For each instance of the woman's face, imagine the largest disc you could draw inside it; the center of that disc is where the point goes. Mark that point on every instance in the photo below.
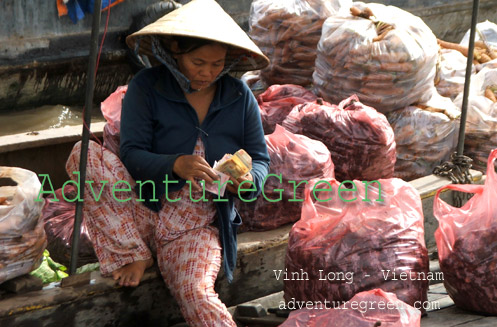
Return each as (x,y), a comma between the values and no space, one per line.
(201,66)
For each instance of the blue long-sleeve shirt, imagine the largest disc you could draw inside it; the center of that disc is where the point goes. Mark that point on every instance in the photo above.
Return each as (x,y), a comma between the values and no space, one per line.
(158,125)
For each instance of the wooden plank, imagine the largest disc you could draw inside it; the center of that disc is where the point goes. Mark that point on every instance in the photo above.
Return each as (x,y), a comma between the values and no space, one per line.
(484,322)
(452,316)
(23,284)
(16,142)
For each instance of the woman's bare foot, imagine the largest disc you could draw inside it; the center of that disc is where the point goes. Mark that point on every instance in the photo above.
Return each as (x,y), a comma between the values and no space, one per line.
(131,274)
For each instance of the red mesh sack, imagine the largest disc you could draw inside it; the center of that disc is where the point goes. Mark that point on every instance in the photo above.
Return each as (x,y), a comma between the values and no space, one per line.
(467,244)
(296,158)
(365,309)
(360,139)
(348,247)
(277,102)
(58,218)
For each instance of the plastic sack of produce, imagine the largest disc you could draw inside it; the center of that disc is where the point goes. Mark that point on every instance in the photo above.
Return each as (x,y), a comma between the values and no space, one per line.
(467,244)
(19,210)
(58,218)
(383,54)
(287,31)
(451,73)
(481,125)
(22,238)
(277,102)
(351,241)
(360,139)
(487,30)
(425,135)
(111,110)
(484,53)
(365,309)
(296,158)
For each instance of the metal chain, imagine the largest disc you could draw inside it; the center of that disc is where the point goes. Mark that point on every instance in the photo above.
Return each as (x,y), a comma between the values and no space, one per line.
(457,170)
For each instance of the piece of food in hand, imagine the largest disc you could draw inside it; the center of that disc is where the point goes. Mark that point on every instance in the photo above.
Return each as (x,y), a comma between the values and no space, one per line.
(236,165)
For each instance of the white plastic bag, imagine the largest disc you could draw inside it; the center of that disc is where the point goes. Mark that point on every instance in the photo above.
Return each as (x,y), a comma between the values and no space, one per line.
(19,210)
(481,125)
(22,236)
(451,73)
(486,29)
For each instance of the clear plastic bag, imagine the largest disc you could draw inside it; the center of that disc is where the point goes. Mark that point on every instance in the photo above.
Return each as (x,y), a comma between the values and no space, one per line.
(360,139)
(425,135)
(486,29)
(370,307)
(297,158)
(19,210)
(58,220)
(388,60)
(22,254)
(354,246)
(111,109)
(467,244)
(481,125)
(22,238)
(288,32)
(451,73)
(277,102)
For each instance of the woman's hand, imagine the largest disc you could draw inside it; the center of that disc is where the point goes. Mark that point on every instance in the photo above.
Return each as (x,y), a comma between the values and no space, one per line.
(191,167)
(233,188)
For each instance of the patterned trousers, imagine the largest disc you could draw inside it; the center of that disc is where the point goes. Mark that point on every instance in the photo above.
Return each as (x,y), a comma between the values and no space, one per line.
(189,257)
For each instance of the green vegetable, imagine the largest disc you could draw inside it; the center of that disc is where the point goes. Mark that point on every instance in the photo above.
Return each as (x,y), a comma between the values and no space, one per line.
(49,270)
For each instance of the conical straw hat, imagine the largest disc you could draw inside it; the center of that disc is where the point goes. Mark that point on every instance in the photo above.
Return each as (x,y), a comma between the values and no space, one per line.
(203,19)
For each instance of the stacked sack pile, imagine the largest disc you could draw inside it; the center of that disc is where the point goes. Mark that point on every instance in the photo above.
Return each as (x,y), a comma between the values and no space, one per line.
(383,54)
(481,135)
(22,237)
(288,32)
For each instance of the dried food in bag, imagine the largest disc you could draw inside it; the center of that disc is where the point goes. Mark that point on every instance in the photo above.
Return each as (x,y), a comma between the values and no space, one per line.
(277,102)
(383,54)
(365,309)
(467,244)
(288,32)
(357,240)
(295,160)
(360,139)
